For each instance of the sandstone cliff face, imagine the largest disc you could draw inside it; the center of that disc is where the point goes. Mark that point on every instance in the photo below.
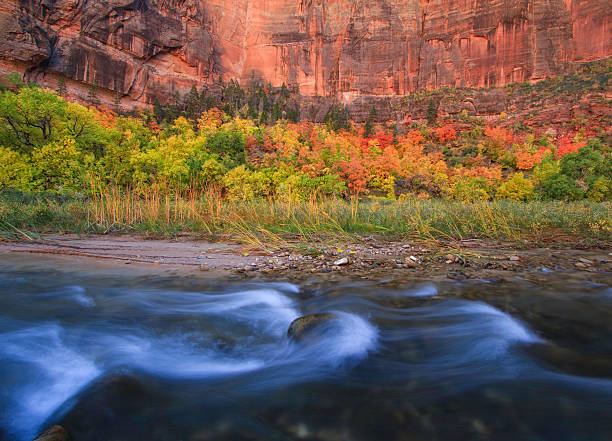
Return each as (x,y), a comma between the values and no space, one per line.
(142,50)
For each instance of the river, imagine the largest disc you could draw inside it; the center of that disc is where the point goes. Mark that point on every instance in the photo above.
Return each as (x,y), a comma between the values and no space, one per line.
(124,354)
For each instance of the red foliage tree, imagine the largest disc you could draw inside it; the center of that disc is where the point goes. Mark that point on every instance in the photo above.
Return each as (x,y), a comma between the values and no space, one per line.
(445,133)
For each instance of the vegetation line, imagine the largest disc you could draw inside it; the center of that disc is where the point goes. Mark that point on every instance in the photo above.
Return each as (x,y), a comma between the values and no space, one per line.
(270,224)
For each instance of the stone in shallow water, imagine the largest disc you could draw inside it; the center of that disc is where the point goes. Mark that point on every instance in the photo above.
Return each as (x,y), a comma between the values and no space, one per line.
(55,433)
(301,326)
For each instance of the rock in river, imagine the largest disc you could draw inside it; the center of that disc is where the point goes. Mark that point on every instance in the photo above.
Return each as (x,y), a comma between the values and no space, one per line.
(301,326)
(55,433)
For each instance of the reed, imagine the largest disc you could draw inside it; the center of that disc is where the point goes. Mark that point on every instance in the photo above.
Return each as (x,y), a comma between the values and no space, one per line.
(271,223)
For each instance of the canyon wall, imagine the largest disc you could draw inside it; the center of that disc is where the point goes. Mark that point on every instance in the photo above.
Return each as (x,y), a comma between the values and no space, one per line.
(137,51)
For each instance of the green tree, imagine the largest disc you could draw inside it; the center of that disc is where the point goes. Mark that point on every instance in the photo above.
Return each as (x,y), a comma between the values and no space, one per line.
(229,145)
(432,112)
(337,117)
(600,190)
(30,117)
(581,164)
(158,111)
(60,165)
(92,95)
(192,103)
(276,113)
(80,123)
(293,114)
(16,171)
(284,92)
(234,97)
(368,128)
(561,187)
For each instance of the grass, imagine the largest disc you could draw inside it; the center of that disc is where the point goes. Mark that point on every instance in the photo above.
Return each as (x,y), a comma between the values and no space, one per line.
(269,223)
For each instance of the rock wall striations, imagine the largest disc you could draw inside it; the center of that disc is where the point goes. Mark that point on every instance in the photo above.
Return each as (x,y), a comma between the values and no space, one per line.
(143,50)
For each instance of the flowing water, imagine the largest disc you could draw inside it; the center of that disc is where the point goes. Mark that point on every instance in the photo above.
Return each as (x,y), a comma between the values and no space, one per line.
(126,355)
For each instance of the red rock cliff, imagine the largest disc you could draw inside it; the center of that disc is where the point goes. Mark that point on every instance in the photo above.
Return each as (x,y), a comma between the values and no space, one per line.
(147,49)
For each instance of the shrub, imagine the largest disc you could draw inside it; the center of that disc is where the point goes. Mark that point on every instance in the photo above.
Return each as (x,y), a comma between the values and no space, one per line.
(471,189)
(517,188)
(445,133)
(16,171)
(567,146)
(229,145)
(244,184)
(600,190)
(385,184)
(580,164)
(211,172)
(496,140)
(544,171)
(60,165)
(561,187)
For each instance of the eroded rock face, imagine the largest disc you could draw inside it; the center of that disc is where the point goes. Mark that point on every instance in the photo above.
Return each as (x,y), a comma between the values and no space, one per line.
(150,49)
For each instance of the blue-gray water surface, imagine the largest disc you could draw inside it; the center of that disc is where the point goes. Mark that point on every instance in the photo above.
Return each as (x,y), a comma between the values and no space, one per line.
(125,355)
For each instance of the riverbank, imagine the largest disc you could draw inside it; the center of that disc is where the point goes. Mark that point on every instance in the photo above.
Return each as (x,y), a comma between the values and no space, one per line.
(363,258)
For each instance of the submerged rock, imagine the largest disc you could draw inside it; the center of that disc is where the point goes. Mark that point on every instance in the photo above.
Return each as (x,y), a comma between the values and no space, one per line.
(106,410)
(55,433)
(301,326)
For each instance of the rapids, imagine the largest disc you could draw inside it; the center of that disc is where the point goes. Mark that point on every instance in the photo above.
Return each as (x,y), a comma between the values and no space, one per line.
(123,356)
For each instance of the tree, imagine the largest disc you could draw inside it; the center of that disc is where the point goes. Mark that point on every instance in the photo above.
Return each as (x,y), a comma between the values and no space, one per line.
(233,96)
(471,189)
(30,118)
(284,92)
(92,95)
(16,171)
(61,86)
(368,128)
(117,101)
(561,187)
(293,114)
(276,113)
(158,111)
(60,164)
(432,112)
(517,188)
(207,102)
(229,145)
(580,164)
(12,81)
(337,117)
(600,190)
(192,103)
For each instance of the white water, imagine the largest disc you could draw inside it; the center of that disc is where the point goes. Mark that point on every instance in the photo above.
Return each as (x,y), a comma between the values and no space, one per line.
(49,363)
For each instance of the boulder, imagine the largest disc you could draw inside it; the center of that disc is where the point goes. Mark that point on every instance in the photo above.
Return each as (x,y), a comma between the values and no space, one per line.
(302,326)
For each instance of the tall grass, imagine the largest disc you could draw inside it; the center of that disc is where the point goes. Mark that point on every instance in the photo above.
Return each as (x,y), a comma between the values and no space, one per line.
(272,222)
